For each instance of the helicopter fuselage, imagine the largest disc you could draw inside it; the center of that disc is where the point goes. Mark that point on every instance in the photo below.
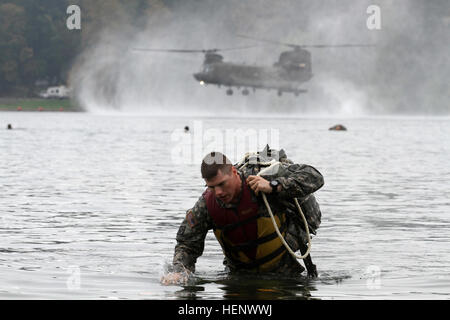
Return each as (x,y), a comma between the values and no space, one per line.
(278,77)
(292,69)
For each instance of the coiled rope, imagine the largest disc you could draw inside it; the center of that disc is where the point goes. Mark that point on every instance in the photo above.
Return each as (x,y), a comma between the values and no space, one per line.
(275,223)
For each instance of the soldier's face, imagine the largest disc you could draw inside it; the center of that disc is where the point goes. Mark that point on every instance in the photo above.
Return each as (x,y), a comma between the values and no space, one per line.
(226,187)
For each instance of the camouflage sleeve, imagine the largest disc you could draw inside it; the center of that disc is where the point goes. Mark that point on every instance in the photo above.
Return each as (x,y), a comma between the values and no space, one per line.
(298,181)
(191,237)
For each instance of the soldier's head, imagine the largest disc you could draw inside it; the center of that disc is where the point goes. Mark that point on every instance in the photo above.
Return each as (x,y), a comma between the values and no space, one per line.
(221,177)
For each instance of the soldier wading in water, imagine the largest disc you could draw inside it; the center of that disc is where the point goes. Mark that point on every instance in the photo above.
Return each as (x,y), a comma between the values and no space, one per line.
(233,208)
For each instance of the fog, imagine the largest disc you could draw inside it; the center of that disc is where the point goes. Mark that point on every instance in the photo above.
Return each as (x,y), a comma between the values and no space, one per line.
(406,72)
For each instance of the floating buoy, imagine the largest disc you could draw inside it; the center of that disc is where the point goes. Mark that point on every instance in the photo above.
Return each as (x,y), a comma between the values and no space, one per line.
(9,127)
(338,127)
(19,108)
(61,109)
(40,109)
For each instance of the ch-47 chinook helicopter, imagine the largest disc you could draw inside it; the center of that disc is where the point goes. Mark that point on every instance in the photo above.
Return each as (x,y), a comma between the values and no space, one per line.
(292,69)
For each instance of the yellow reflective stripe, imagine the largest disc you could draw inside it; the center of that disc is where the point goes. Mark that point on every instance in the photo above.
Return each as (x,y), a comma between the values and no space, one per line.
(264,227)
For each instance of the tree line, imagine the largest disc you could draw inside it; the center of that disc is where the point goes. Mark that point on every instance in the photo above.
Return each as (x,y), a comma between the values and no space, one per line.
(37,48)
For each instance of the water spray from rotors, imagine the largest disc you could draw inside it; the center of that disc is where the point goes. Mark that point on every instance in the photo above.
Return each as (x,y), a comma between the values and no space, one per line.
(405,73)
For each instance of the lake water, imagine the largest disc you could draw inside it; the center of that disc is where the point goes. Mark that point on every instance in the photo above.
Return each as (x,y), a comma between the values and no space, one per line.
(90,206)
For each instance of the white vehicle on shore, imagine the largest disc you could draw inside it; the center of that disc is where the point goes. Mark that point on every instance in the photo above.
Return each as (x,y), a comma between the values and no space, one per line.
(60,92)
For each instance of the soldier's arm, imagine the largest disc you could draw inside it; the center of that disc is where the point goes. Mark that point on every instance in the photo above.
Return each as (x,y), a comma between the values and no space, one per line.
(191,237)
(299,181)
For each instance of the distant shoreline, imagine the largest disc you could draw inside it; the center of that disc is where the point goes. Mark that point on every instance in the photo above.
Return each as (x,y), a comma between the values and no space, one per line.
(38,105)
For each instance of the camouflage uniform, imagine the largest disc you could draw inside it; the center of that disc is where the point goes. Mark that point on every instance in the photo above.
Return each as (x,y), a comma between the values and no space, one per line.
(298,181)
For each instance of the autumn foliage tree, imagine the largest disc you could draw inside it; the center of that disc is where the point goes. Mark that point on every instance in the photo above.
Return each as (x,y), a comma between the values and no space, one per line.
(35,43)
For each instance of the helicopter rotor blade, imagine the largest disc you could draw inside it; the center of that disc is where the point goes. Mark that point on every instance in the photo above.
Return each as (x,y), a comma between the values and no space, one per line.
(336,45)
(294,46)
(193,50)
(174,50)
(237,48)
(268,41)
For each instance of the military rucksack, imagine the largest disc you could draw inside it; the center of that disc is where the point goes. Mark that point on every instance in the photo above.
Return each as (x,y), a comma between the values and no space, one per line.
(310,207)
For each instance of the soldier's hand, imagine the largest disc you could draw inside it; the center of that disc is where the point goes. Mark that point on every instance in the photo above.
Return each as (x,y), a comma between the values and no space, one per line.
(175,278)
(259,184)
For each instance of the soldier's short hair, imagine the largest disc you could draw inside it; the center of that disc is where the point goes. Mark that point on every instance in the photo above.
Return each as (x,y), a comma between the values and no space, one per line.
(212,163)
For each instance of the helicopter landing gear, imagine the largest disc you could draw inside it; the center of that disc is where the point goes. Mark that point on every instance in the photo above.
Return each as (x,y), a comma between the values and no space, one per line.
(229,92)
(280,93)
(245,92)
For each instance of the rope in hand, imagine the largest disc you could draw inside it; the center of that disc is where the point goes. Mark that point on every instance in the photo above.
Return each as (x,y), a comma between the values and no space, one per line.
(276,226)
